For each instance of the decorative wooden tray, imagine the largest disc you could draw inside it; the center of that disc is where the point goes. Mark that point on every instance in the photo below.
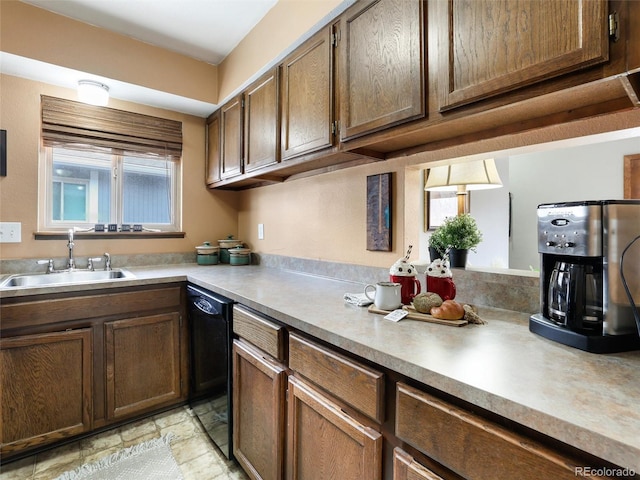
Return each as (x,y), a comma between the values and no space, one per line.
(423,317)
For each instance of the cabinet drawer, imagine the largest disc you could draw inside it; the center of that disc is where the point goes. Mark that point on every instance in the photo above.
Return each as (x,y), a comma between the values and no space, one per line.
(264,334)
(41,312)
(471,446)
(358,385)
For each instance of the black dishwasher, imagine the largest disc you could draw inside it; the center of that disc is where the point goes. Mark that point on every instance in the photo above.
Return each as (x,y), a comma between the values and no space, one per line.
(210,317)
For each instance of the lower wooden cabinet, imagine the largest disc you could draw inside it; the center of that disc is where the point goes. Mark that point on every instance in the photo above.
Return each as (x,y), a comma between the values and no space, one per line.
(45,388)
(143,367)
(474,447)
(73,364)
(259,384)
(324,443)
(406,468)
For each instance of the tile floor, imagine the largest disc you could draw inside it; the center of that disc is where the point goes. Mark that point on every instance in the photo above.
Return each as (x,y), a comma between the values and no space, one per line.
(197,456)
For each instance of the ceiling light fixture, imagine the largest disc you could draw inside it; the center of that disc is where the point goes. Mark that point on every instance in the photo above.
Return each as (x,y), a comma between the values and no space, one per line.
(462,177)
(92,92)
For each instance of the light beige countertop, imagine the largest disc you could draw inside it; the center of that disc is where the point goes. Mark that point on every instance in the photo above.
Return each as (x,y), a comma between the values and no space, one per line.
(586,400)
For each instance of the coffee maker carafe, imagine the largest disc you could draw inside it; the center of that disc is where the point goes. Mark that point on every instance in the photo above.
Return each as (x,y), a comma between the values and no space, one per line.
(582,301)
(575,296)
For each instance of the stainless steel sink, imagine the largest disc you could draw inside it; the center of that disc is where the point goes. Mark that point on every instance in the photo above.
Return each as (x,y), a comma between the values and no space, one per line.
(65,278)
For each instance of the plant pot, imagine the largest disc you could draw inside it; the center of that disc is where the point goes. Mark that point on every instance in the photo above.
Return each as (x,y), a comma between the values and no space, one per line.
(458,258)
(434,254)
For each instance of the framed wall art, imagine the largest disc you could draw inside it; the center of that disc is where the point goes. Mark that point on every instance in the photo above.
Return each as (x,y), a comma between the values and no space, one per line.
(3,153)
(379,212)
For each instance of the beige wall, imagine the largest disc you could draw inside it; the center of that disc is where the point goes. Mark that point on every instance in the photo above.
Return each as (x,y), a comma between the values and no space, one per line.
(36,33)
(322,217)
(206,215)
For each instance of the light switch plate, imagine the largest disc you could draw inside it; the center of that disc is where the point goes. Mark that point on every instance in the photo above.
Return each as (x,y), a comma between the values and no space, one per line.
(261,231)
(10,232)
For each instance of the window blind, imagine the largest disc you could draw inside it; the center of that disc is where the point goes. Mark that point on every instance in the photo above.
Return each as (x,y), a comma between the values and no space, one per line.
(70,124)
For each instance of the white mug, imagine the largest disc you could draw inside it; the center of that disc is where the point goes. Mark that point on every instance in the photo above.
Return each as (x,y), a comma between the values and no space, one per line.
(387,295)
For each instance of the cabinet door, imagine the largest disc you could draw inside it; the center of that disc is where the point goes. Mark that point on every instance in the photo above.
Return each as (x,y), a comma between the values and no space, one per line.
(45,388)
(212,165)
(261,122)
(406,468)
(382,57)
(231,138)
(324,442)
(307,97)
(491,47)
(258,412)
(143,368)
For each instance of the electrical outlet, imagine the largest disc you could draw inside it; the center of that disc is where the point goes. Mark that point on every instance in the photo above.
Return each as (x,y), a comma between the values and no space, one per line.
(10,232)
(261,231)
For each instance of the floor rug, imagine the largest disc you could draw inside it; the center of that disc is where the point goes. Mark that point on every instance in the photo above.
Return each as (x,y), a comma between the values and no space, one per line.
(150,460)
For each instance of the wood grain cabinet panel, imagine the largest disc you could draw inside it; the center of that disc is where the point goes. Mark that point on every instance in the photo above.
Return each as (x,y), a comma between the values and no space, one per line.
(260,332)
(324,443)
(382,58)
(45,388)
(307,97)
(212,165)
(493,47)
(471,446)
(406,468)
(143,364)
(261,122)
(259,385)
(231,137)
(354,383)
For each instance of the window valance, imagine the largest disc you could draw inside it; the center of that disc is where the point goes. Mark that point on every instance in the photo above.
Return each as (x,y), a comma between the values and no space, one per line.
(71,124)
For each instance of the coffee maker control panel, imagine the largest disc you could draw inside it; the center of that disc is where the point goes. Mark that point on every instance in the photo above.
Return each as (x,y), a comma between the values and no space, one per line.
(569,229)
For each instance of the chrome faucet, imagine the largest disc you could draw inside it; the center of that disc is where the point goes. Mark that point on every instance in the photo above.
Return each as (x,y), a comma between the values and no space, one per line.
(71,263)
(107,261)
(48,263)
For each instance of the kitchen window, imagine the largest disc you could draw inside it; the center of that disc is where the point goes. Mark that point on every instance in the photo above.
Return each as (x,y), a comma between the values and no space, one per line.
(106,166)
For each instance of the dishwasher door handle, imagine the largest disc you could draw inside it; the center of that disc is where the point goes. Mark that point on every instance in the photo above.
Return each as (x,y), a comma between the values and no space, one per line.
(205,306)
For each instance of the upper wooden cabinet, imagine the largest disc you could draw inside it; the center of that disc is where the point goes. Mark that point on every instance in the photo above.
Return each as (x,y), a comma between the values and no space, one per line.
(382,58)
(231,137)
(391,78)
(261,122)
(212,161)
(307,97)
(493,47)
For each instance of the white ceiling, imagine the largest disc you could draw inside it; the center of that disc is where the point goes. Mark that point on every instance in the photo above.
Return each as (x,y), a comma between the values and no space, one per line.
(203,29)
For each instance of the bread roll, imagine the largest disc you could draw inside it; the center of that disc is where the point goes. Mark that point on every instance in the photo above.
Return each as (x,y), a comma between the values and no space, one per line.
(424,302)
(449,310)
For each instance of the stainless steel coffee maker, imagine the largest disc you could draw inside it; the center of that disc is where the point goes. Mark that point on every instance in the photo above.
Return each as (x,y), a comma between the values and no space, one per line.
(583,302)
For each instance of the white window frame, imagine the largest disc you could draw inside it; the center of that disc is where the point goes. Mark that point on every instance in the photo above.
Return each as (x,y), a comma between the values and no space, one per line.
(45,203)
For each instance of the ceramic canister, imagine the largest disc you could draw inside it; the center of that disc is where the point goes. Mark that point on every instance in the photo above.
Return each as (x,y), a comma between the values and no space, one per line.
(239,256)
(225,245)
(207,254)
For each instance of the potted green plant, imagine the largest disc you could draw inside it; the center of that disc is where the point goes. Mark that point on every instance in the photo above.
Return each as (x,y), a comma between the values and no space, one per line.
(460,234)
(437,244)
